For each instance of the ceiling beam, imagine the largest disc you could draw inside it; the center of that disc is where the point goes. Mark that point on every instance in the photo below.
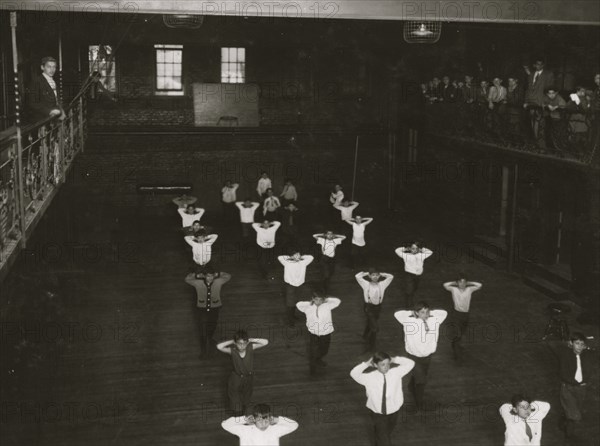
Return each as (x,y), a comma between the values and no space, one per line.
(575,12)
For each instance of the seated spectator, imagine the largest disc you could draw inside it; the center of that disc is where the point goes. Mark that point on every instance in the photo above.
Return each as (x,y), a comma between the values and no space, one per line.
(458,88)
(514,102)
(435,90)
(553,103)
(482,93)
(43,93)
(579,106)
(447,91)
(496,94)
(469,90)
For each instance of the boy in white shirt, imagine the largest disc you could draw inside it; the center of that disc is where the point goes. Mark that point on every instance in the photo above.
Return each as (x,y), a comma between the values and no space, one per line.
(328,242)
(523,419)
(247,209)
(414,257)
(346,207)
(265,239)
(294,276)
(382,378)
(201,247)
(271,205)
(264,183)
(289,193)
(461,296)
(228,199)
(320,327)
(421,333)
(357,252)
(261,428)
(184,201)
(373,285)
(190,214)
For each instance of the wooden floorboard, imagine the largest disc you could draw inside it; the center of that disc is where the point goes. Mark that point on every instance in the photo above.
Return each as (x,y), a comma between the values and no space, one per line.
(135,377)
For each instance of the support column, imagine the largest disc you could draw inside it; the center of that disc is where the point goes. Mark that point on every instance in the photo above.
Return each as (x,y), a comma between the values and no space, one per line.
(513,218)
(504,200)
(20,180)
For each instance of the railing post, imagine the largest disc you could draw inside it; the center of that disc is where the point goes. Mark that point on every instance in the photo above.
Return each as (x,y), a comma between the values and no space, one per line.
(513,218)
(80,124)
(20,180)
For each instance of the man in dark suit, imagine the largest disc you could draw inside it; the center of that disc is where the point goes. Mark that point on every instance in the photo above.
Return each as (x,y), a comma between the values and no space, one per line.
(574,369)
(43,93)
(538,81)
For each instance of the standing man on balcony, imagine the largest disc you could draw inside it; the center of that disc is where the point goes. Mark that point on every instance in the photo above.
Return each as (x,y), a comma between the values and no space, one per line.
(43,93)
(538,81)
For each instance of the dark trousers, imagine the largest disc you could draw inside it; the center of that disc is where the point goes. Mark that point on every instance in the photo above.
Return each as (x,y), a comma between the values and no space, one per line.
(230,212)
(318,347)
(239,389)
(419,378)
(571,400)
(291,298)
(271,216)
(372,327)
(459,322)
(246,230)
(207,322)
(327,265)
(265,260)
(411,283)
(383,426)
(357,256)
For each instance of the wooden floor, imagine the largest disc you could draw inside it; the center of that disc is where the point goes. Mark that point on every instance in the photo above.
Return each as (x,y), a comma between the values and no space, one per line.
(129,373)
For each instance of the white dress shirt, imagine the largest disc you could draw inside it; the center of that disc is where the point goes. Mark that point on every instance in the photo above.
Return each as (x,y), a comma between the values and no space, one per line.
(188,219)
(318,318)
(247,213)
(413,263)
(336,197)
(250,435)
(202,251)
(328,246)
(289,192)
(373,382)
(263,185)
(462,298)
(420,339)
(515,434)
(52,83)
(265,237)
(229,193)
(294,271)
(271,204)
(346,211)
(578,372)
(358,232)
(373,291)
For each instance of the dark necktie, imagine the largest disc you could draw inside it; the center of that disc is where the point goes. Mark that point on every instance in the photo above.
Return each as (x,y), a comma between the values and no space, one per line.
(383,401)
(528,430)
(426,326)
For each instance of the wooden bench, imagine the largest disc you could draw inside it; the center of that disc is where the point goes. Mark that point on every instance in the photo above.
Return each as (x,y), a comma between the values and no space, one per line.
(230,120)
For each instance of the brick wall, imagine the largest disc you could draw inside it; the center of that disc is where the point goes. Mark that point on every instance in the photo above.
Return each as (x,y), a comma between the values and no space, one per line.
(112,167)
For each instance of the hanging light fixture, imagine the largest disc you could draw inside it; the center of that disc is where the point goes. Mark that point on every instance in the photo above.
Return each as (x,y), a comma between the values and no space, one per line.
(422,32)
(187,21)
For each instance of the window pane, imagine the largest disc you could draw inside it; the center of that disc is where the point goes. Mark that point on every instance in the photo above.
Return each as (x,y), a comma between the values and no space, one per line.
(224,54)
(160,83)
(177,56)
(160,56)
(177,83)
(160,69)
(177,70)
(241,54)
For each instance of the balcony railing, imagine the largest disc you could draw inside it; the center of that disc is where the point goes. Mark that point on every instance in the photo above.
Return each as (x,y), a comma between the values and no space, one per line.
(565,134)
(32,172)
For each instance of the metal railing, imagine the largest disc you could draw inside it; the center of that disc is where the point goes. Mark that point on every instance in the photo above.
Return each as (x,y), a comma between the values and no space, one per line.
(564,134)
(32,172)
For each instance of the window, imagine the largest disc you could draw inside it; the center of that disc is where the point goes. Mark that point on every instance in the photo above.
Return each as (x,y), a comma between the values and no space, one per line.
(233,65)
(100,58)
(168,70)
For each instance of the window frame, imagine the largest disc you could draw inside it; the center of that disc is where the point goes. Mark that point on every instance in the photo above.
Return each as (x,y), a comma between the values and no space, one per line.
(236,64)
(115,69)
(167,91)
